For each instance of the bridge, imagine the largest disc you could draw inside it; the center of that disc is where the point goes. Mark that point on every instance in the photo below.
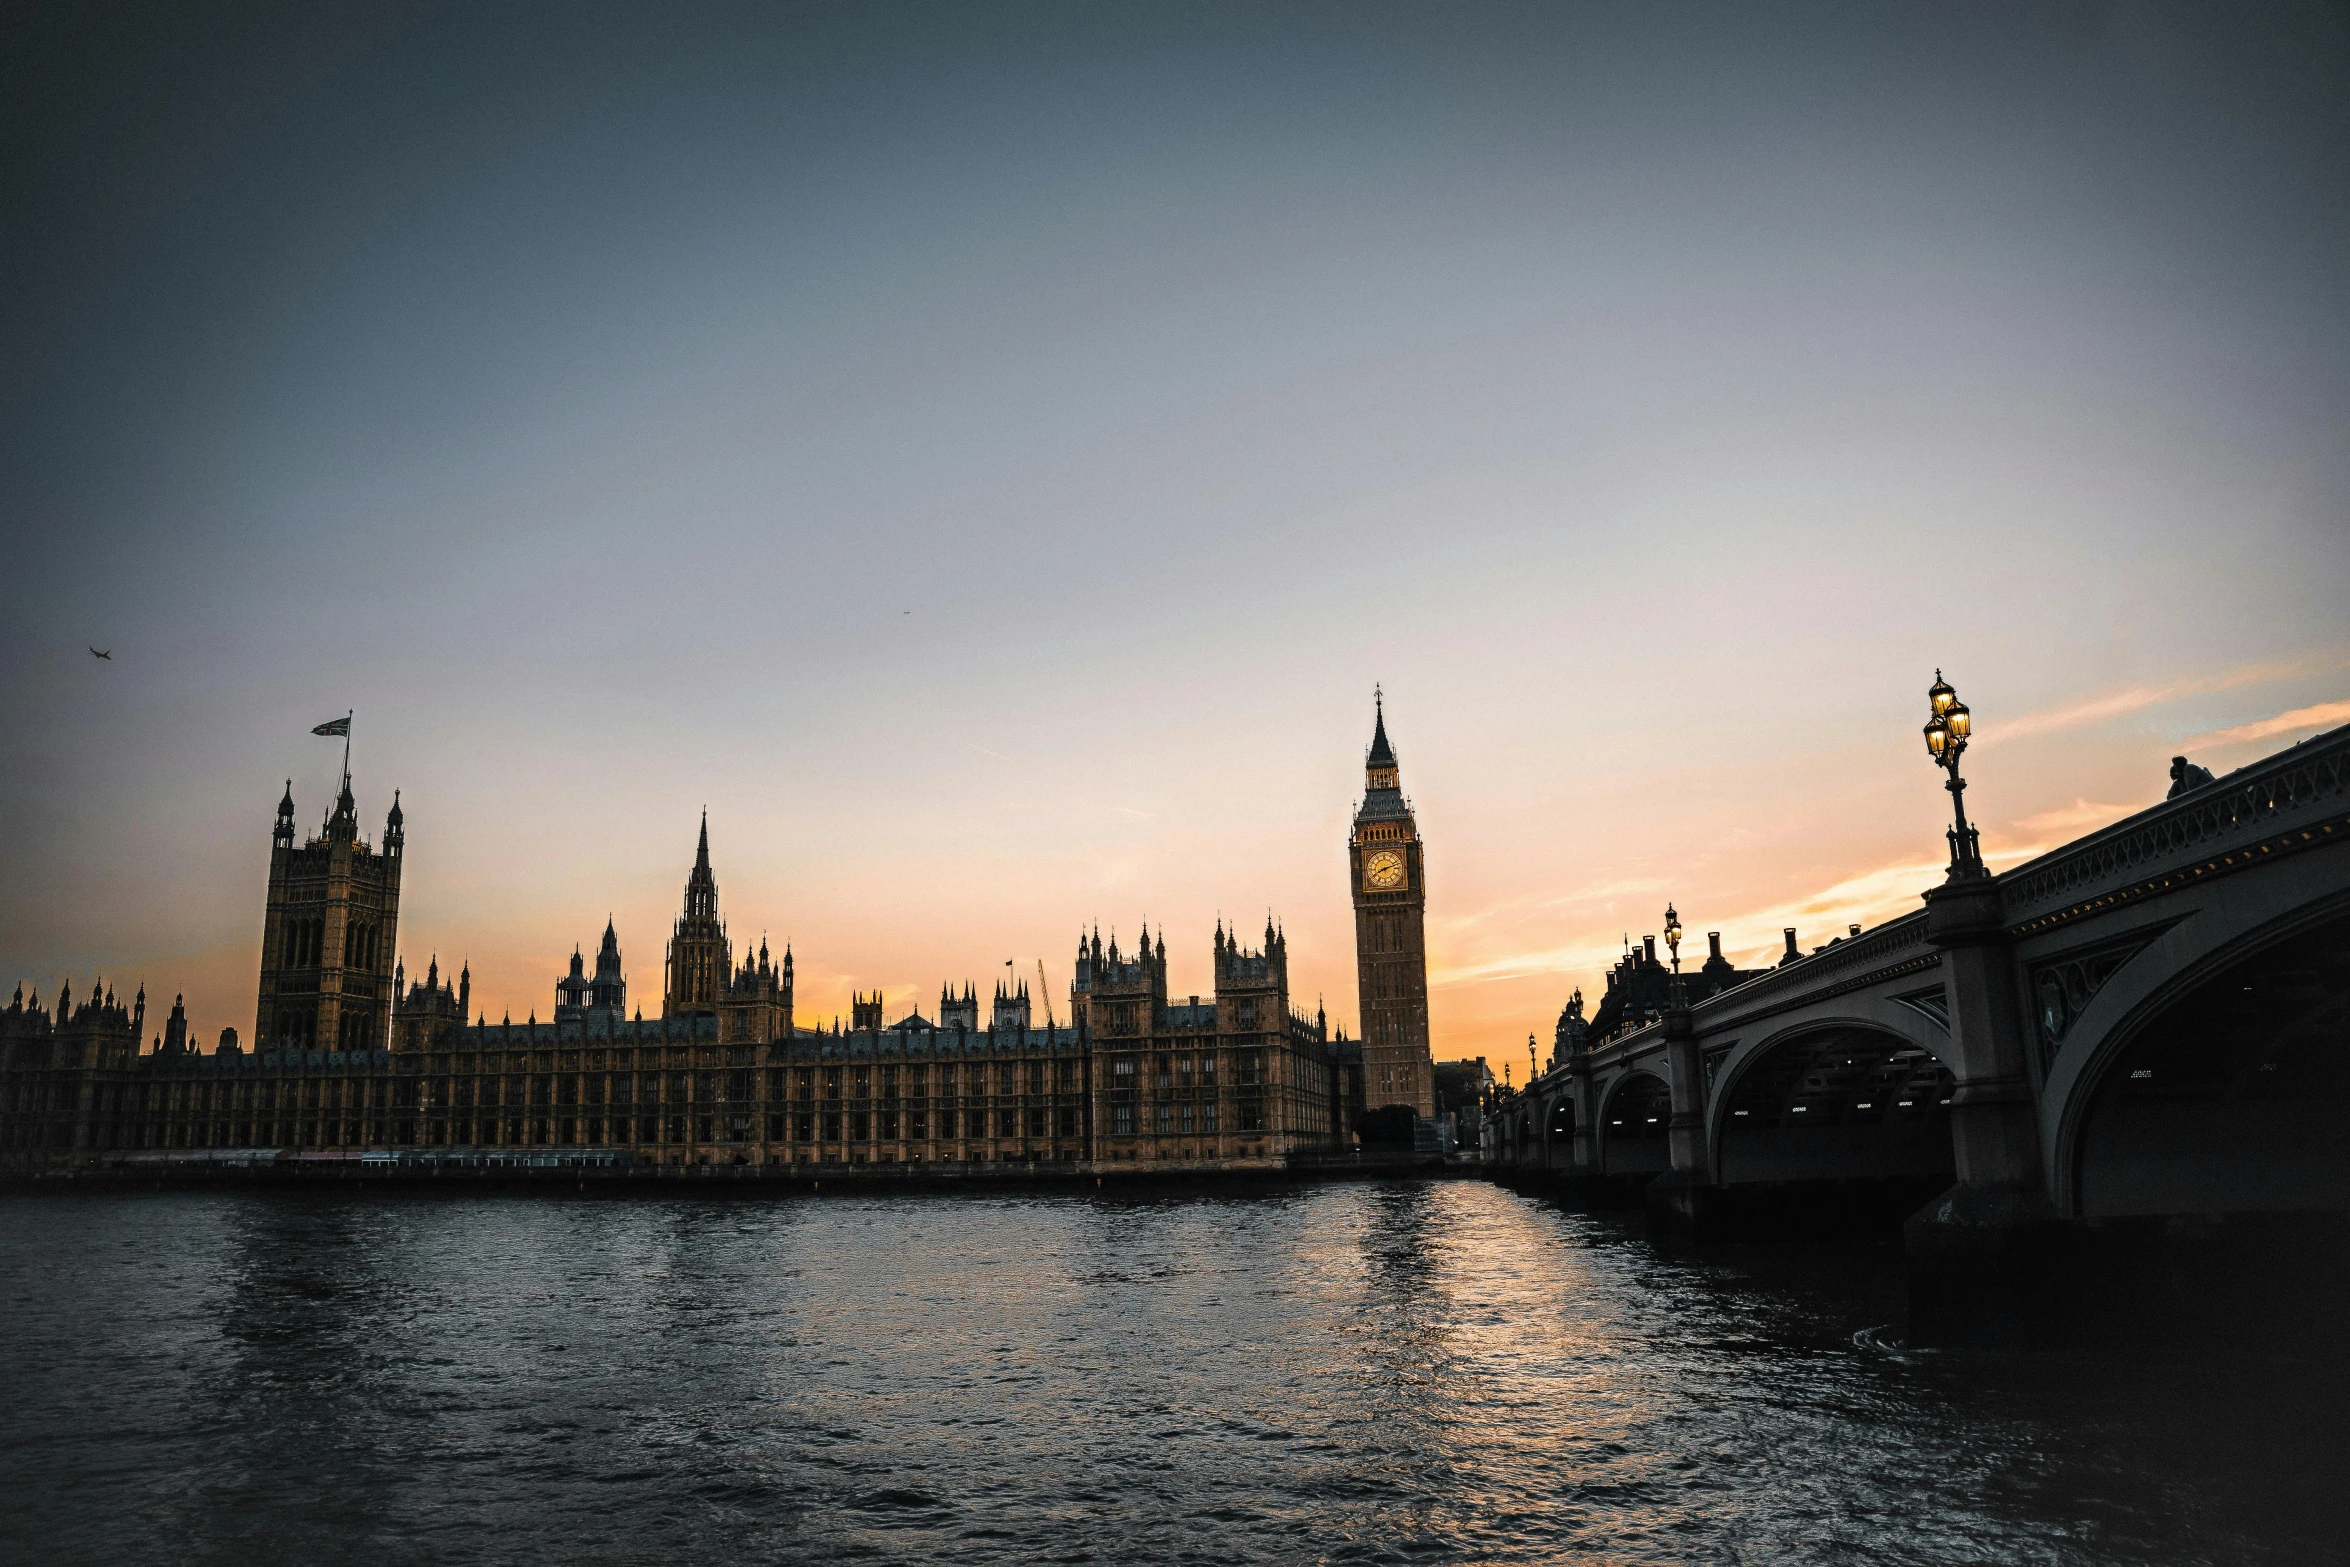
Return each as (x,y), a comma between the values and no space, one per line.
(2148,1026)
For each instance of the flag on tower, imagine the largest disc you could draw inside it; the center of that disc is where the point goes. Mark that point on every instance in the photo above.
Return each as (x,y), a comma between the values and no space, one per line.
(335,726)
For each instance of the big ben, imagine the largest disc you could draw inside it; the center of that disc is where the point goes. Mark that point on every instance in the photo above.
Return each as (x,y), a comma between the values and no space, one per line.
(1391,954)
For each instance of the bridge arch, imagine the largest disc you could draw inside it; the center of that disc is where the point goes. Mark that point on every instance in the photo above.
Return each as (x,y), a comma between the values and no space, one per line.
(1835,1099)
(1635,1115)
(2223,1087)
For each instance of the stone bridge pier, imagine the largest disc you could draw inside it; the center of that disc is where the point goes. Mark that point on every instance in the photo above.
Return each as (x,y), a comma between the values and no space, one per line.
(2119,1066)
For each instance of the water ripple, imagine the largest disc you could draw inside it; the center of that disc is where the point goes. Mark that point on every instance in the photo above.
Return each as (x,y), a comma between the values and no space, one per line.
(1405,1373)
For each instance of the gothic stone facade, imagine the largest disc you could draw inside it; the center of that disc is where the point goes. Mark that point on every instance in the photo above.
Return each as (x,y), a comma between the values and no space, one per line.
(1391,944)
(1134,1079)
(351,1060)
(326,935)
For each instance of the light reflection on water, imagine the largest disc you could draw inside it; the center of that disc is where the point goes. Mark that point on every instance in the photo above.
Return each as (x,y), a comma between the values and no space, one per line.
(1399,1372)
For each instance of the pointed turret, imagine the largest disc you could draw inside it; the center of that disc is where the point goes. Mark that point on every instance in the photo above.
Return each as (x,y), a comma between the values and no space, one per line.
(343,823)
(700,958)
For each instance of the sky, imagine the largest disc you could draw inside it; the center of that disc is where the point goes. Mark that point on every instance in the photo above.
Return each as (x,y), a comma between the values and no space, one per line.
(987,455)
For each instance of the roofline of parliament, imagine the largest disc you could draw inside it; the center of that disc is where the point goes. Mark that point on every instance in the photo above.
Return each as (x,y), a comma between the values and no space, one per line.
(348,1053)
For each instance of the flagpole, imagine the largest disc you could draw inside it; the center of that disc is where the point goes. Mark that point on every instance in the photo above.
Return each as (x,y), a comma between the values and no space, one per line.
(347,717)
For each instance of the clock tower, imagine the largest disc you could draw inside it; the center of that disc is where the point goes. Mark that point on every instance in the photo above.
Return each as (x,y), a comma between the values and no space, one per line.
(1391,955)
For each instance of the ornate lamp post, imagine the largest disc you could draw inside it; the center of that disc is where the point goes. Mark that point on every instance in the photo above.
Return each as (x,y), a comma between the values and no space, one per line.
(1947,730)
(1673,945)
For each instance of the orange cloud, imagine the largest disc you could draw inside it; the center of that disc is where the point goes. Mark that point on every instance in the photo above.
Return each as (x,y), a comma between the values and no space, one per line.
(2137,699)
(2321,716)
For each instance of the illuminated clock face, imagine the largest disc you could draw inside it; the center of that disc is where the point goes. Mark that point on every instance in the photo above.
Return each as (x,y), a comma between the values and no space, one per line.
(1383,872)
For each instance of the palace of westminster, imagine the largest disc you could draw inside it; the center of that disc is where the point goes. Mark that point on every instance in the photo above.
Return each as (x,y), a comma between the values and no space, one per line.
(349,1059)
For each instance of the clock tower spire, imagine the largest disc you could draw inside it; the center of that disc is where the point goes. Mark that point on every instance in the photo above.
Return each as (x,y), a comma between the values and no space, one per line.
(1391,955)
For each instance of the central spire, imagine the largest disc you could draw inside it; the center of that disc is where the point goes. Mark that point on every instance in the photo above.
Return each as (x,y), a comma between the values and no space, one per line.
(701,887)
(700,958)
(1380,763)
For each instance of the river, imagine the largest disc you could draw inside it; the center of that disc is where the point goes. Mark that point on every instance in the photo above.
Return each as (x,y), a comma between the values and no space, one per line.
(1403,1372)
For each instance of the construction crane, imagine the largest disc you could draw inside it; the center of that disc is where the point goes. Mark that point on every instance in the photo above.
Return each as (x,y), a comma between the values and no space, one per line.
(1045,991)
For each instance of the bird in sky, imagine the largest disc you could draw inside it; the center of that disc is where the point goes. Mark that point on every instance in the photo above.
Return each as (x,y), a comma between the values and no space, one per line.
(96,654)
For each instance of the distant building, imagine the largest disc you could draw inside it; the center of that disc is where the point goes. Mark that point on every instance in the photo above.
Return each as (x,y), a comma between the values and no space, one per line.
(1463,1088)
(327,954)
(1391,947)
(1640,990)
(350,1057)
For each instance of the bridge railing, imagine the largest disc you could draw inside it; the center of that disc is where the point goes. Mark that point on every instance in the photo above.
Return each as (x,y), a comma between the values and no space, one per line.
(1851,957)
(1896,939)
(2277,792)
(2294,788)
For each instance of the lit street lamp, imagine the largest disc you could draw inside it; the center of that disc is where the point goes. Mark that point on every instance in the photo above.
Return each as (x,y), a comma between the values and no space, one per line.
(1946,737)
(1673,944)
